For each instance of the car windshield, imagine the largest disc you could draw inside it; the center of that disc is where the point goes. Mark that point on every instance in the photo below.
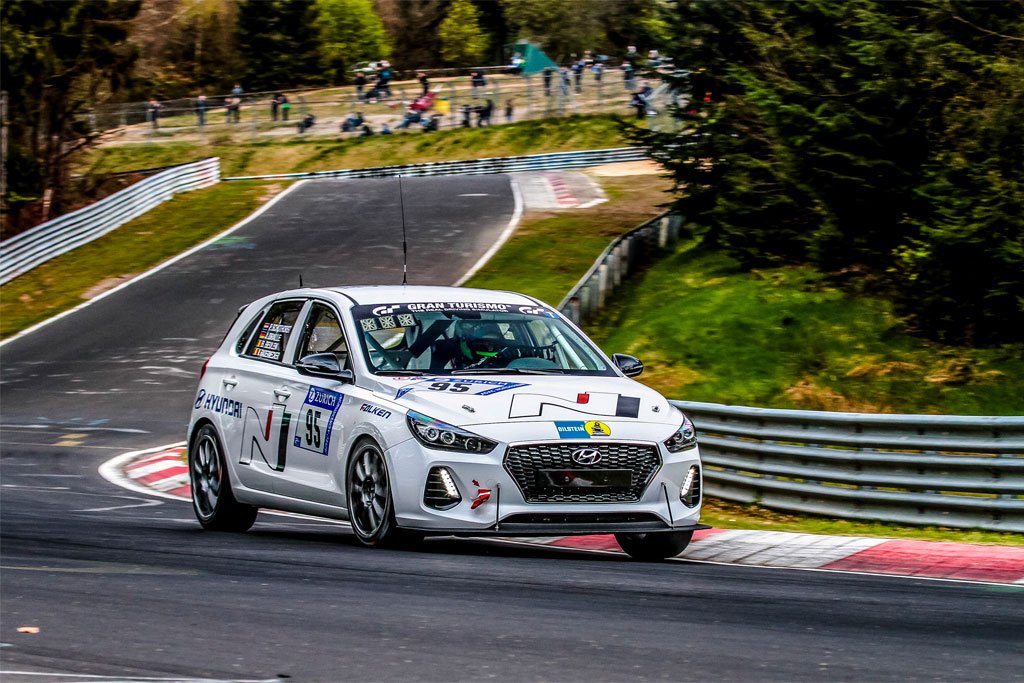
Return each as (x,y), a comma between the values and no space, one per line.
(473,338)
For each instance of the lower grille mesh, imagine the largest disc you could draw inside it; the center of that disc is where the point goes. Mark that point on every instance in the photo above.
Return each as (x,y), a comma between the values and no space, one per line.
(524,462)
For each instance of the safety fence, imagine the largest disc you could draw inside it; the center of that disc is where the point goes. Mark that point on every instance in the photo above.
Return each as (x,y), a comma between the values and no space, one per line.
(532,162)
(34,247)
(952,471)
(635,249)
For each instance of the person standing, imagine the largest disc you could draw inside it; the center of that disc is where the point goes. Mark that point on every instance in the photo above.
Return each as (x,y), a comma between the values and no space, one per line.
(577,75)
(275,104)
(484,114)
(508,111)
(201,110)
(360,82)
(548,71)
(237,91)
(477,81)
(424,83)
(286,107)
(153,113)
(628,75)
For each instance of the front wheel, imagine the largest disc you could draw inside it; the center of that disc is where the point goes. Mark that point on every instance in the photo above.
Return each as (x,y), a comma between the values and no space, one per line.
(212,499)
(370,504)
(654,547)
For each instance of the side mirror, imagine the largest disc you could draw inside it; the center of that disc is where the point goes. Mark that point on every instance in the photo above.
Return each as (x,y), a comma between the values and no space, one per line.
(630,366)
(324,365)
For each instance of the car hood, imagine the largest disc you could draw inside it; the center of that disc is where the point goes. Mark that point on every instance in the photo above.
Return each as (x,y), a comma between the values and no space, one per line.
(515,399)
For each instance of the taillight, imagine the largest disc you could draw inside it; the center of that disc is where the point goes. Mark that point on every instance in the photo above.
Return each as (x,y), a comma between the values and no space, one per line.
(203,370)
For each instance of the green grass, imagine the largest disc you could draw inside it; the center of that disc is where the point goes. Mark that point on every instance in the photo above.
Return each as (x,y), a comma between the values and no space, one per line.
(294,154)
(787,338)
(163,232)
(549,253)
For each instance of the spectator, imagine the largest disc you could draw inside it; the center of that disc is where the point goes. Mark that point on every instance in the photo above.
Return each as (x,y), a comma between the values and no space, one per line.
(516,65)
(201,110)
(352,122)
(411,116)
(424,83)
(360,82)
(432,124)
(286,107)
(653,59)
(548,71)
(628,75)
(598,71)
(237,91)
(384,76)
(275,104)
(477,81)
(639,104)
(385,129)
(306,123)
(566,81)
(577,75)
(466,112)
(153,113)
(631,54)
(234,109)
(483,114)
(366,131)
(508,111)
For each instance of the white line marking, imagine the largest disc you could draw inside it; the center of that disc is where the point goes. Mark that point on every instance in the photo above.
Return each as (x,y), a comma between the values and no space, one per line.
(111,471)
(129,679)
(511,228)
(156,269)
(142,504)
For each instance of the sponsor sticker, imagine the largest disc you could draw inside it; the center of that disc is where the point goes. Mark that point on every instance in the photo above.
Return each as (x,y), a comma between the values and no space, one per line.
(316,418)
(218,404)
(375,410)
(460,385)
(579,429)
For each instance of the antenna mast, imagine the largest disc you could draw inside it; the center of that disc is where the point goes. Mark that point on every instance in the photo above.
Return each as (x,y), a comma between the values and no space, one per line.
(405,244)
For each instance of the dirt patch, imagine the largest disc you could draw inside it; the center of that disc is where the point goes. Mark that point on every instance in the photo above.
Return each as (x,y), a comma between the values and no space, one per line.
(883,369)
(106,284)
(808,396)
(270,191)
(645,167)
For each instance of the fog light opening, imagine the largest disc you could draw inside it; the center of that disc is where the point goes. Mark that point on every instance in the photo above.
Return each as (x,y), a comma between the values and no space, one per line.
(441,491)
(689,493)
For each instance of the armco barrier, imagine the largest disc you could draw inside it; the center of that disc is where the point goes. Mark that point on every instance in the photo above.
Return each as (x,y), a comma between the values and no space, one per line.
(533,162)
(34,247)
(954,471)
(636,248)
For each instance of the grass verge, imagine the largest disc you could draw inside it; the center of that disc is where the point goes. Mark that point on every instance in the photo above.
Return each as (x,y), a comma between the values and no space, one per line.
(726,515)
(550,251)
(163,232)
(298,154)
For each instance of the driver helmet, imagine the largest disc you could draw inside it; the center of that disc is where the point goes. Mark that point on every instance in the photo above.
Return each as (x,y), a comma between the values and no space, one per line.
(480,339)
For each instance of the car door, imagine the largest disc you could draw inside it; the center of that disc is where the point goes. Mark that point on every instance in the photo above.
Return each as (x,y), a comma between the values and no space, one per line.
(259,382)
(322,409)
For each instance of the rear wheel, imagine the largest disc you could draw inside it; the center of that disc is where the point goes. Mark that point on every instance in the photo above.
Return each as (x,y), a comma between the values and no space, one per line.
(654,547)
(212,499)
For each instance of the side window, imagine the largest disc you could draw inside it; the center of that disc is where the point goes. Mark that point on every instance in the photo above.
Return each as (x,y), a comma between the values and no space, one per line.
(272,335)
(322,334)
(244,337)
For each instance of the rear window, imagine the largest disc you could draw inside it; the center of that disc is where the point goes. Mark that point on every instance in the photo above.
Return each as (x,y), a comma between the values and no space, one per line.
(274,330)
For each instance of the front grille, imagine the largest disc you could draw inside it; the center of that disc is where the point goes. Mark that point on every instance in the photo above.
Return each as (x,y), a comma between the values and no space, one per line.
(525,463)
(570,518)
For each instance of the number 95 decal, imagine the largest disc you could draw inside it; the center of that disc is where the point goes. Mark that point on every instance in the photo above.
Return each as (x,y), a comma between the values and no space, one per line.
(316,417)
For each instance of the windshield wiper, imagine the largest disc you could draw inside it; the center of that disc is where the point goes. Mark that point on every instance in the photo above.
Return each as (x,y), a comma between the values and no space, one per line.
(507,371)
(403,373)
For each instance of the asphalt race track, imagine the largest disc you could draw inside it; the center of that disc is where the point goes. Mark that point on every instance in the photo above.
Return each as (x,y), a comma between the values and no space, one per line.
(125,586)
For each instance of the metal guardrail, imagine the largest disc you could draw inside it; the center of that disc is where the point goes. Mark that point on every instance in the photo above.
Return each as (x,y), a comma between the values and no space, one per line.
(532,162)
(34,247)
(952,471)
(626,253)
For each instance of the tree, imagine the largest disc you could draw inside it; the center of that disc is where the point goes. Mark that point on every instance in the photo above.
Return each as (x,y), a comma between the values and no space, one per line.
(883,136)
(463,42)
(59,61)
(562,28)
(412,27)
(278,42)
(349,32)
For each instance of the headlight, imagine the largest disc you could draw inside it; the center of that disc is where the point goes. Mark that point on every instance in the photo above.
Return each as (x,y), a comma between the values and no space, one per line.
(436,434)
(684,439)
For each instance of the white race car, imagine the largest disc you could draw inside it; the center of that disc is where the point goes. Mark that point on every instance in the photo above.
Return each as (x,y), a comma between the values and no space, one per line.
(413,411)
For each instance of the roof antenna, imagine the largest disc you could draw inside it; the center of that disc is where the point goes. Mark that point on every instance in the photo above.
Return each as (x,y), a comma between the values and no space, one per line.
(405,245)
(300,280)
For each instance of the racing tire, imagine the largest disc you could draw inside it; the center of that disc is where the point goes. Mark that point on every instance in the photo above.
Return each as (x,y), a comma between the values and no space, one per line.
(371,507)
(654,547)
(213,501)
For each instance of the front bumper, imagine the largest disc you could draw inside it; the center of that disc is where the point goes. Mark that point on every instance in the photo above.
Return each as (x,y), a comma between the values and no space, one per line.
(504,510)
